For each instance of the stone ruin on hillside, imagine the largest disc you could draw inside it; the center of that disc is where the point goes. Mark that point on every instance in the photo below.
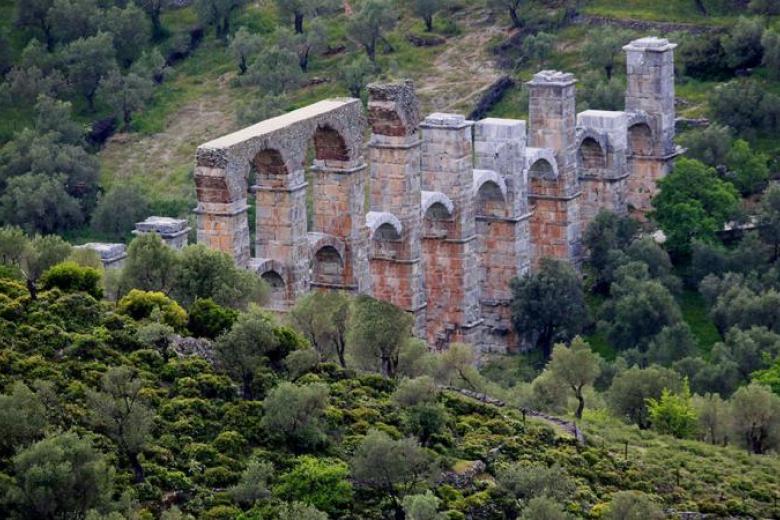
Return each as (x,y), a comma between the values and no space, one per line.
(444,211)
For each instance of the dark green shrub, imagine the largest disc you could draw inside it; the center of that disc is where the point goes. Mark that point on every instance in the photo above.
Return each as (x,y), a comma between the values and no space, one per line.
(209,320)
(72,277)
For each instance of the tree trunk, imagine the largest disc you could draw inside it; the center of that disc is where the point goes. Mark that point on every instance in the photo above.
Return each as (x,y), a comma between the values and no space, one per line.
(580,404)
(246,387)
(701,7)
(299,23)
(608,69)
(340,348)
(138,470)
(303,60)
(515,18)
(428,22)
(371,51)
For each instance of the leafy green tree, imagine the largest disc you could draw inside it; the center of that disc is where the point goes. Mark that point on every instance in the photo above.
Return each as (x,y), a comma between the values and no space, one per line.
(674,413)
(749,349)
(244,45)
(743,43)
(22,417)
(548,305)
(32,257)
(633,505)
(206,273)
(575,367)
(209,319)
(356,74)
(745,106)
(411,392)
(427,9)
(604,48)
(303,45)
(600,94)
(510,6)
(770,41)
(606,233)
(748,170)
(125,95)
(246,346)
(769,377)
(743,308)
(405,465)
(38,202)
(73,19)
(543,508)
(150,265)
(254,482)
(377,329)
(62,476)
(755,414)
(524,481)
(423,507)
(34,13)
(131,29)
(151,65)
(709,145)
(671,344)
(275,71)
(119,410)
(86,61)
(54,117)
(295,413)
(119,209)
(693,203)
(217,13)
(142,305)
(71,277)
(639,308)
(425,420)
(321,483)
(537,47)
(713,415)
(627,397)
(322,318)
(368,25)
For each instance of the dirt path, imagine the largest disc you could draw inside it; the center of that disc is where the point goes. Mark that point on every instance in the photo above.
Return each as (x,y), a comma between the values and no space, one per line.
(558,424)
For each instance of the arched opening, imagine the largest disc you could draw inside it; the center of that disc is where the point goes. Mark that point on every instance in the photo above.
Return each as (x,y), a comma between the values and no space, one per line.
(269,163)
(591,156)
(640,140)
(490,200)
(329,145)
(386,232)
(437,211)
(542,169)
(328,266)
(276,285)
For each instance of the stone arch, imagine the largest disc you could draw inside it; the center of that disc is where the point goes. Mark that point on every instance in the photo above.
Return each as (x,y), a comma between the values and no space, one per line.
(329,145)
(270,168)
(591,154)
(490,200)
(543,169)
(277,276)
(328,266)
(436,205)
(641,141)
(383,226)
(319,241)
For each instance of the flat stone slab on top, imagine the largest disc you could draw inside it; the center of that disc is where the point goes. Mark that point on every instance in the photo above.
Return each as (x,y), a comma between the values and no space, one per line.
(164,226)
(108,252)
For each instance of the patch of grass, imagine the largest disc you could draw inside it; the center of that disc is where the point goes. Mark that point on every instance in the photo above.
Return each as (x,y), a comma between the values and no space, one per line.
(680,11)
(697,317)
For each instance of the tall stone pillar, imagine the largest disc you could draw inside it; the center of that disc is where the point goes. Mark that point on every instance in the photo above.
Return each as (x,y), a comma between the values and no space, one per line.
(555,224)
(281,230)
(339,195)
(650,93)
(503,224)
(396,262)
(451,263)
(222,207)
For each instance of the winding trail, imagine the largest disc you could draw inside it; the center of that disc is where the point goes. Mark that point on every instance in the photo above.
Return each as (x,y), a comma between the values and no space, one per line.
(559,424)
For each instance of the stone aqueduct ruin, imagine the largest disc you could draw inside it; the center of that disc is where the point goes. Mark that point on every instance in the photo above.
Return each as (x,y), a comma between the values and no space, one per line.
(455,208)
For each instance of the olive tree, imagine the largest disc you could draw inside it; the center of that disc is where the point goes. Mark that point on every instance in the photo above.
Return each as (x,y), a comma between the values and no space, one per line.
(575,367)
(377,330)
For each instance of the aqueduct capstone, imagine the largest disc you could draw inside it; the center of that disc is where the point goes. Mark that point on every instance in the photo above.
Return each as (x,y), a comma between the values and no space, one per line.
(443,212)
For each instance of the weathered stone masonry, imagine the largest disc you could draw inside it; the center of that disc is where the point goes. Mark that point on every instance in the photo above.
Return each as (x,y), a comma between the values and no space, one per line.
(456,208)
